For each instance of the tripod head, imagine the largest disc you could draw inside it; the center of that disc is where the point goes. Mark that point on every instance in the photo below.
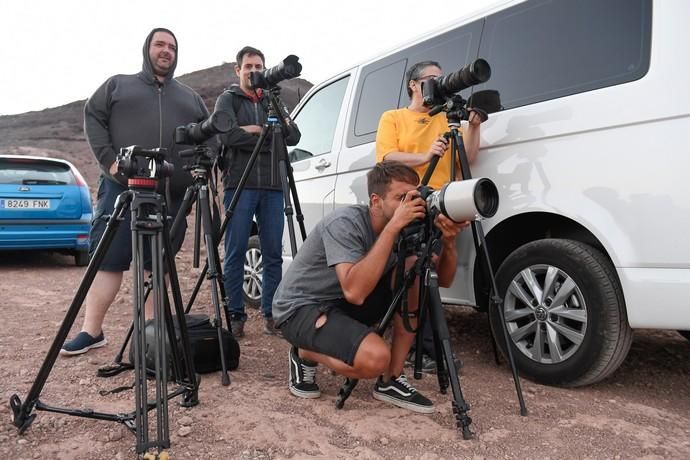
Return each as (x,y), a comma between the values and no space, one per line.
(203,159)
(143,167)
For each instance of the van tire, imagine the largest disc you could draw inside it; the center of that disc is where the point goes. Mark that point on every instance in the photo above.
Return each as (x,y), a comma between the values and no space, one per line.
(592,314)
(253,273)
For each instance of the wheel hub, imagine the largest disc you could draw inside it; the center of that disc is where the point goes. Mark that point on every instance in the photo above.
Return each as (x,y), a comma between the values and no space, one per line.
(541,313)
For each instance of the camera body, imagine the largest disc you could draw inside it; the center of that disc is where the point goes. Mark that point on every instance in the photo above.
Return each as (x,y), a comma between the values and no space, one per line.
(268,79)
(135,162)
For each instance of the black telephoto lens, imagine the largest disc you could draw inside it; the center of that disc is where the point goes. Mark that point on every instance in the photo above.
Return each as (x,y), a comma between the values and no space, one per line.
(198,133)
(287,69)
(477,72)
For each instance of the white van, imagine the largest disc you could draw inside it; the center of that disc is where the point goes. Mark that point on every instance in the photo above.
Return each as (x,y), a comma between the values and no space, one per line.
(590,156)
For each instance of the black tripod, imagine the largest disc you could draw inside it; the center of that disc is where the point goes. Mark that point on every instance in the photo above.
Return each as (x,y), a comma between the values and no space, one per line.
(276,125)
(457,151)
(148,221)
(414,241)
(200,192)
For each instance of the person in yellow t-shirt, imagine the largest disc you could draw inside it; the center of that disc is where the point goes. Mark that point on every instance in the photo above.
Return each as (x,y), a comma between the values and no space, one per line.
(411,136)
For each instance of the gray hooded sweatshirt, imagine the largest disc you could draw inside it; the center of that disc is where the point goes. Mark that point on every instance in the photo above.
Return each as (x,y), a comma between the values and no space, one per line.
(139,110)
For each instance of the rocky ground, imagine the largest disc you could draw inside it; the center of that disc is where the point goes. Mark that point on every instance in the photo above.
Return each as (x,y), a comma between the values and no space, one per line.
(642,411)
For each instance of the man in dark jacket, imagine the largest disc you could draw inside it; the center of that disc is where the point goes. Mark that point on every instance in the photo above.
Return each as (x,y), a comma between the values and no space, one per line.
(261,195)
(141,109)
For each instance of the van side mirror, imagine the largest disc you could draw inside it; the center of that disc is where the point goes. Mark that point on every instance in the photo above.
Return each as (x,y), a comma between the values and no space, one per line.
(298,155)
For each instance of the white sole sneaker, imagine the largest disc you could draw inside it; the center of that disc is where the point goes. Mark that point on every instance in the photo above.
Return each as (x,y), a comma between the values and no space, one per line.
(100,344)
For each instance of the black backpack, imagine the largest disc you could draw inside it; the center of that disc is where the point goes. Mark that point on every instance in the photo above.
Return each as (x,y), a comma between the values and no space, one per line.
(203,341)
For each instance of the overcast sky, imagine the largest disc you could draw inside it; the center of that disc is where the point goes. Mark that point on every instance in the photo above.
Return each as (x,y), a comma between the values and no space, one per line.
(57,51)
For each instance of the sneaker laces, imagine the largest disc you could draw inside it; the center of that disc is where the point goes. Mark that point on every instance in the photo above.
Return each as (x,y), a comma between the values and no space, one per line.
(402,380)
(309,373)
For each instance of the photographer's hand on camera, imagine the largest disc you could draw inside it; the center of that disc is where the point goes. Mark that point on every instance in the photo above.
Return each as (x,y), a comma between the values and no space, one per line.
(411,207)
(446,261)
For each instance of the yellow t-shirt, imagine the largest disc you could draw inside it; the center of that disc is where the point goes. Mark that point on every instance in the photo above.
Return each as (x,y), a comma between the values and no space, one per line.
(403,130)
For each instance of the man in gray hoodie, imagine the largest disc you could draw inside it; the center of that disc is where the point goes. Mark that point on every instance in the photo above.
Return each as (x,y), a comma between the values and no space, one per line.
(141,109)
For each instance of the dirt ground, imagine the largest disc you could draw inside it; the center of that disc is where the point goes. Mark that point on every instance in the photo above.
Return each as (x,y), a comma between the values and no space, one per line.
(642,411)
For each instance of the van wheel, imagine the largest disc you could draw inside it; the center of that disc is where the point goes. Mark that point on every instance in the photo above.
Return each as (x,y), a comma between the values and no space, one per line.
(81,258)
(564,312)
(685,334)
(253,273)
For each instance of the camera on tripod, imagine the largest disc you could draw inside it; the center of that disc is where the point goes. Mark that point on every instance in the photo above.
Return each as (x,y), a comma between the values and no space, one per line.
(197,133)
(460,201)
(136,162)
(438,90)
(269,79)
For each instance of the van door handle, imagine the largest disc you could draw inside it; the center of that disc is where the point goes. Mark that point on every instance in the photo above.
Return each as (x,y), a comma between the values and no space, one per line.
(322,164)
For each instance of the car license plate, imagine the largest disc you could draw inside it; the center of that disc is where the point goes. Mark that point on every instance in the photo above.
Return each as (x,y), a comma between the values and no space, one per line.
(24,204)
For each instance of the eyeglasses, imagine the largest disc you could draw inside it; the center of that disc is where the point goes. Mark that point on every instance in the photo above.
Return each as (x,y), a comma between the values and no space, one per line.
(426,77)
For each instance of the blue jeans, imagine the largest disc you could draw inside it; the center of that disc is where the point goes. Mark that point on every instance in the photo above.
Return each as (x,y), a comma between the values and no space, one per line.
(268,206)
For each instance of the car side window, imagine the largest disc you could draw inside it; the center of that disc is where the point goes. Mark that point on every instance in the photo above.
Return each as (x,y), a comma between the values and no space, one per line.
(317,121)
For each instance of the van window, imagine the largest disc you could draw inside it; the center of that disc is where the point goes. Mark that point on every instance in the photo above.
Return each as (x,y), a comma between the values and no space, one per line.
(547,49)
(317,120)
(380,92)
(381,86)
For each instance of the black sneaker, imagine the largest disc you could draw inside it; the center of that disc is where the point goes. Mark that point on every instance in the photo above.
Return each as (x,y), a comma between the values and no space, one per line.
(82,343)
(237,326)
(399,392)
(270,327)
(428,363)
(302,380)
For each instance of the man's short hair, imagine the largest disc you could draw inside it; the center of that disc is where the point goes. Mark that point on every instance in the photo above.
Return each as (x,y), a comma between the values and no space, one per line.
(248,50)
(414,72)
(380,177)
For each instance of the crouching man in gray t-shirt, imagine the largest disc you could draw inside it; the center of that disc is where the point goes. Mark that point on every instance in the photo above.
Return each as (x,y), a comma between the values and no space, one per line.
(339,286)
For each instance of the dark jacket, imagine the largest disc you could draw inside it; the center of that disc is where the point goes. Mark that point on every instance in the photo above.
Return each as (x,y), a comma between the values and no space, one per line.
(239,144)
(139,110)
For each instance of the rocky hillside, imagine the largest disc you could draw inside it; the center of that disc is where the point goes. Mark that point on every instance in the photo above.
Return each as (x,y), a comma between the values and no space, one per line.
(58,131)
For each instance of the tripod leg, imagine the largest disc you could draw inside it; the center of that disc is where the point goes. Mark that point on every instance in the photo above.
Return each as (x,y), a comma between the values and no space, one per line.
(458,151)
(280,150)
(162,428)
(22,416)
(213,274)
(460,407)
(497,302)
(185,207)
(290,179)
(140,383)
(233,204)
(442,370)
(191,397)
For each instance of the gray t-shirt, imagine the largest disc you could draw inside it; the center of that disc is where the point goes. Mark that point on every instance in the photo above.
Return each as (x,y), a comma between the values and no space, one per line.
(344,236)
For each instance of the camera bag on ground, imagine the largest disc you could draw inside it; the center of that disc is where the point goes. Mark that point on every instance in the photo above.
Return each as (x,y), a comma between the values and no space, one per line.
(203,341)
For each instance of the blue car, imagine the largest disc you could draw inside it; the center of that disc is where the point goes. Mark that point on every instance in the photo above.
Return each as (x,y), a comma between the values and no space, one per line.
(45,205)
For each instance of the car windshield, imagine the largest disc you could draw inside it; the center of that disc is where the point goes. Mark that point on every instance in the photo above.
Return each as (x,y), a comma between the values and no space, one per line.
(29,171)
